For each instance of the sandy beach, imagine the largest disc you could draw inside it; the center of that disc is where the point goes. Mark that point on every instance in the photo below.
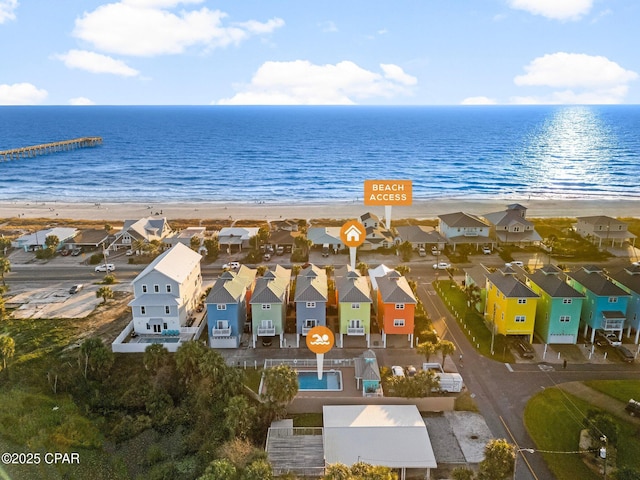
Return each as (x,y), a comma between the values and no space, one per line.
(539,208)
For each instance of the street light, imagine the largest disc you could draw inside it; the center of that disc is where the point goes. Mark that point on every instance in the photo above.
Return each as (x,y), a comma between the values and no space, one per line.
(515,460)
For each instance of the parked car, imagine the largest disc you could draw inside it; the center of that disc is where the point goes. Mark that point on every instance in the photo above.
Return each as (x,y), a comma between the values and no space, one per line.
(515,262)
(280,250)
(607,338)
(486,250)
(624,354)
(325,250)
(633,407)
(266,257)
(435,251)
(105,267)
(524,349)
(231,266)
(411,371)
(76,288)
(130,252)
(422,252)
(441,266)
(76,251)
(267,341)
(397,371)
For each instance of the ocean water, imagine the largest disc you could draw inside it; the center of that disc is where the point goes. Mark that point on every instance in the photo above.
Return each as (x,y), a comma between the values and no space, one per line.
(309,154)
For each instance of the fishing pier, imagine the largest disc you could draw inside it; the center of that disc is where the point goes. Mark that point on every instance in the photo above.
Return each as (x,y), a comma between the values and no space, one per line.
(46,148)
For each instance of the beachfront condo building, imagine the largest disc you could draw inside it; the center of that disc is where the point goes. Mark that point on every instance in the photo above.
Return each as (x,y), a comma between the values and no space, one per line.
(269,304)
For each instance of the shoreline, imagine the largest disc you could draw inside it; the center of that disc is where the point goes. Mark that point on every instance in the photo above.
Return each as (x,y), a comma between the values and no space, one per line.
(421,210)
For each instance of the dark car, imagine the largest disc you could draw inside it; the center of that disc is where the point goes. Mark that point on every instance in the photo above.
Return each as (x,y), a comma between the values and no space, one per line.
(524,349)
(267,341)
(633,408)
(624,354)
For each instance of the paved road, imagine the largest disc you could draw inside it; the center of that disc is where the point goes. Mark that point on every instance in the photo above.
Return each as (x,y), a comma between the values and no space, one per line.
(501,391)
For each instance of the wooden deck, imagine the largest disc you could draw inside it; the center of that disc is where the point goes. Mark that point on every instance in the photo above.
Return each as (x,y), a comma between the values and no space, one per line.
(47,148)
(296,450)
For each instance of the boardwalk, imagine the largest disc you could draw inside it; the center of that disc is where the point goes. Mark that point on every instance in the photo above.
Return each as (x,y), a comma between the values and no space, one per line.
(46,148)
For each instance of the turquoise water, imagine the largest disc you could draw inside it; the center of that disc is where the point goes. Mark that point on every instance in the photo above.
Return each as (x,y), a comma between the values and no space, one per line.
(330,381)
(163,339)
(306,154)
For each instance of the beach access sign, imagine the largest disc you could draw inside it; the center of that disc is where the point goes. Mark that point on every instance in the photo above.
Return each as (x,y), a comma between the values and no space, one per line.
(388,192)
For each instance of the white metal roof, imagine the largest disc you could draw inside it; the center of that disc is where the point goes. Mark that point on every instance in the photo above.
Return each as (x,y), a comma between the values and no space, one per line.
(391,435)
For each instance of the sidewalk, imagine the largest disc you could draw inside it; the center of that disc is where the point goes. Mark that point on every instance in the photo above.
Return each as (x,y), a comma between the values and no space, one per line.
(599,399)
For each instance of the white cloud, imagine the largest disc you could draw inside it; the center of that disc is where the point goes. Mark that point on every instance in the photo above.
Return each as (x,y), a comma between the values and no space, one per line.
(574,70)
(147,28)
(481,100)
(565,97)
(328,26)
(554,9)
(96,63)
(7,10)
(21,94)
(395,73)
(81,101)
(300,82)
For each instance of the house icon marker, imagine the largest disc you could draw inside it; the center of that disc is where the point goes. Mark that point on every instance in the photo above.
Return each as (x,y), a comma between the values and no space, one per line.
(353,234)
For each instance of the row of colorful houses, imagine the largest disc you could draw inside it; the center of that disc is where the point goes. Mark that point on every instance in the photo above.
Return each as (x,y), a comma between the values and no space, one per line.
(556,306)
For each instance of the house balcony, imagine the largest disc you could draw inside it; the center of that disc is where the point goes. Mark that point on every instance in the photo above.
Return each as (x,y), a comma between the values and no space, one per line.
(355,331)
(306,330)
(266,331)
(470,234)
(221,332)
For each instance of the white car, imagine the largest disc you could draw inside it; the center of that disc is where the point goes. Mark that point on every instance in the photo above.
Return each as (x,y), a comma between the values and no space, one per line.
(515,262)
(231,266)
(106,267)
(486,250)
(441,266)
(397,371)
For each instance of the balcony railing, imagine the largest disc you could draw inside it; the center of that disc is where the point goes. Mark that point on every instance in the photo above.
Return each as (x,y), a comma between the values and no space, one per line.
(266,331)
(355,331)
(221,332)
(305,330)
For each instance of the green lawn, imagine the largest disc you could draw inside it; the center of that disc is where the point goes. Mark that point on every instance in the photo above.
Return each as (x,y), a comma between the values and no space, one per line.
(472,322)
(554,420)
(621,390)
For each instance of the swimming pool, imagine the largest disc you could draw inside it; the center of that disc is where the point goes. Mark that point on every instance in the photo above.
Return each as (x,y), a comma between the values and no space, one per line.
(164,339)
(331,381)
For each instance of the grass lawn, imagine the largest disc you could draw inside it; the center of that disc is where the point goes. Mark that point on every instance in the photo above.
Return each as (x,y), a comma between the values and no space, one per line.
(307,420)
(472,322)
(554,420)
(621,390)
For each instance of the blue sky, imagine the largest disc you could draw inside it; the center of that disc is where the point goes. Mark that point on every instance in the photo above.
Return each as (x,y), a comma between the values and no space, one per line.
(401,52)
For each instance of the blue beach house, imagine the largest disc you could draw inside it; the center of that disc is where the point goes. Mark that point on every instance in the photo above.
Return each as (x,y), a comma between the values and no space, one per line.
(605,304)
(227,307)
(311,300)
(628,279)
(559,306)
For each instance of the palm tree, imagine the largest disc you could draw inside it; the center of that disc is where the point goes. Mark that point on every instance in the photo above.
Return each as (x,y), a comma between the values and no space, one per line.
(139,245)
(403,269)
(5,267)
(427,349)
(362,267)
(446,348)
(105,293)
(282,385)
(155,355)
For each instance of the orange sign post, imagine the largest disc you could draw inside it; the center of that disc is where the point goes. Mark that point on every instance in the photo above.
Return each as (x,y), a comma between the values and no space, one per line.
(388,193)
(352,234)
(320,340)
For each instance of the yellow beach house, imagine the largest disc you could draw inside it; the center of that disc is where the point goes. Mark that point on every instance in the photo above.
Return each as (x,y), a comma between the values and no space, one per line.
(511,305)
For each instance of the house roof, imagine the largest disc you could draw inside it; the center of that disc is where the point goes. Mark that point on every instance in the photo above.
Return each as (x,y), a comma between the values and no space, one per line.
(366,366)
(283,237)
(374,273)
(394,288)
(322,235)
(419,234)
(146,228)
(554,285)
(227,234)
(272,287)
(601,220)
(40,236)
(507,218)
(461,219)
(477,274)
(177,263)
(353,288)
(311,285)
(189,232)
(509,285)
(391,435)
(92,237)
(593,280)
(230,286)
(628,276)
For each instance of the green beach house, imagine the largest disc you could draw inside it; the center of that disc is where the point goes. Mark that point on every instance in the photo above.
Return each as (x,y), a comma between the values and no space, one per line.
(269,304)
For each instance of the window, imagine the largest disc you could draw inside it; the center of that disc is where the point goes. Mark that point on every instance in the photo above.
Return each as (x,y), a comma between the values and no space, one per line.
(266,306)
(156,288)
(311,304)
(565,318)
(522,301)
(355,306)
(310,323)
(148,327)
(167,310)
(144,289)
(399,306)
(398,322)
(222,324)
(613,299)
(520,318)
(143,310)
(164,325)
(221,307)
(168,288)
(567,301)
